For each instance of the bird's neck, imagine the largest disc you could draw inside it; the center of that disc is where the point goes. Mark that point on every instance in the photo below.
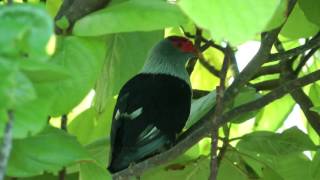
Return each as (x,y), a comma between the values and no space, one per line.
(173,67)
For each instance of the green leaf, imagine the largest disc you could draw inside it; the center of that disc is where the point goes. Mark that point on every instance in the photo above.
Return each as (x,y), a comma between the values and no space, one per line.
(279,16)
(40,72)
(315,166)
(126,53)
(298,26)
(47,151)
(47,176)
(232,167)
(91,171)
(200,107)
(129,16)
(193,170)
(315,109)
(273,115)
(233,20)
(290,141)
(99,150)
(82,58)
(25,31)
(314,94)
(15,88)
(245,95)
(30,118)
(53,6)
(311,9)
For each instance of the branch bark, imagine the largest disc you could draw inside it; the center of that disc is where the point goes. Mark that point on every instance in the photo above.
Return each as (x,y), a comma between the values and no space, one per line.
(314,42)
(6,144)
(218,112)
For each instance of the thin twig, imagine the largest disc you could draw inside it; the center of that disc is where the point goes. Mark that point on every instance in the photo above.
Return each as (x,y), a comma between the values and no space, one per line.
(208,66)
(63,126)
(304,60)
(6,144)
(218,112)
(267,70)
(314,42)
(192,62)
(233,61)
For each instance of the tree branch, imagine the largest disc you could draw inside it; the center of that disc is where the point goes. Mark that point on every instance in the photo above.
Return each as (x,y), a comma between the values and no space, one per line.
(6,144)
(192,62)
(314,42)
(218,112)
(266,70)
(271,96)
(304,60)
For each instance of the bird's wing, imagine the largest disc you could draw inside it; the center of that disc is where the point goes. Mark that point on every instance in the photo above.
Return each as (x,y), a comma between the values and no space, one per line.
(150,111)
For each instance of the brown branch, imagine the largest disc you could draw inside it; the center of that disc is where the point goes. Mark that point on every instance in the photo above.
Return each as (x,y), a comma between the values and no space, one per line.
(272,96)
(266,85)
(197,93)
(192,62)
(6,144)
(73,10)
(208,66)
(314,42)
(233,61)
(218,112)
(304,60)
(254,65)
(266,70)
(63,126)
(298,95)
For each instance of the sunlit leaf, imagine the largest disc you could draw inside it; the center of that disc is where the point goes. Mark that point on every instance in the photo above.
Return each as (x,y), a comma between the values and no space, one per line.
(290,141)
(47,151)
(27,29)
(82,58)
(296,24)
(311,9)
(130,16)
(231,20)
(273,115)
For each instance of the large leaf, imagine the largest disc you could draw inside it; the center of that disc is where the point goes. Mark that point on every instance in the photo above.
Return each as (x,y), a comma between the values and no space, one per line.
(126,53)
(290,141)
(232,20)
(316,166)
(193,170)
(30,118)
(135,15)
(43,72)
(25,31)
(91,171)
(48,151)
(298,26)
(99,150)
(200,107)
(311,9)
(15,88)
(245,95)
(273,115)
(82,58)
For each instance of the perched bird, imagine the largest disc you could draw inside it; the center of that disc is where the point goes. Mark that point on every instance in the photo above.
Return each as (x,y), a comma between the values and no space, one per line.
(153,106)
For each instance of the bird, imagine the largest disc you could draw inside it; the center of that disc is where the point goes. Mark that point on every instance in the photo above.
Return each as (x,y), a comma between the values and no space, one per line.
(153,106)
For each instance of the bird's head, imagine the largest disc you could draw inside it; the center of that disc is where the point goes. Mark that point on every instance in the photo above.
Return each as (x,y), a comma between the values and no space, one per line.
(174,48)
(169,56)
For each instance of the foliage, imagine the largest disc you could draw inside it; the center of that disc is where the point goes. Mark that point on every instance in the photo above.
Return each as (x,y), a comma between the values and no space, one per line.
(45,76)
